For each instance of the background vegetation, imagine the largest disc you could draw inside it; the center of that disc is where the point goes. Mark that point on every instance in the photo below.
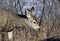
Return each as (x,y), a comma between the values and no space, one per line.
(47,13)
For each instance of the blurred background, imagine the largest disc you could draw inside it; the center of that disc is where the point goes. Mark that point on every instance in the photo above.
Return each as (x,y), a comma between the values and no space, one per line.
(47,13)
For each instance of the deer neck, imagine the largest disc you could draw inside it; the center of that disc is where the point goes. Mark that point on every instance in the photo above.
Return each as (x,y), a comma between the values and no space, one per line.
(18,21)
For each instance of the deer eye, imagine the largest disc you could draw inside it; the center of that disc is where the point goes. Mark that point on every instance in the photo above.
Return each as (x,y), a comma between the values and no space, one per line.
(34,22)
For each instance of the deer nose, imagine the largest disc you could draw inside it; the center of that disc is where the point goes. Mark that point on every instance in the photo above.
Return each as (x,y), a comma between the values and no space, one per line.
(38,29)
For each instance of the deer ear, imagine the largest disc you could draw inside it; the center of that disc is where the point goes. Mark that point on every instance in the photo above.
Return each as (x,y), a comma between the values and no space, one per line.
(28,13)
(32,11)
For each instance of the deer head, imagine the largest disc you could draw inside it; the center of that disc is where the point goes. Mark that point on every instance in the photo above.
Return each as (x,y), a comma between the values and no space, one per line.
(32,21)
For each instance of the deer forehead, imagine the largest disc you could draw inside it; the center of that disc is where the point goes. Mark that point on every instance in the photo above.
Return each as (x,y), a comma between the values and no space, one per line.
(33,18)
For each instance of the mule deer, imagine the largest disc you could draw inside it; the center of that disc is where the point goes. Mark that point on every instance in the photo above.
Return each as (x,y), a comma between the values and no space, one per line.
(8,19)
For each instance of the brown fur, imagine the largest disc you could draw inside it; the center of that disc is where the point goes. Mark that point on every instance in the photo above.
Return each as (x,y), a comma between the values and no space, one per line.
(34,18)
(9,19)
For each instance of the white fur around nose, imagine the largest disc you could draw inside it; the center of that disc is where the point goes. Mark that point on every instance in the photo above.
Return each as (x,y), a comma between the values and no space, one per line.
(10,35)
(36,26)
